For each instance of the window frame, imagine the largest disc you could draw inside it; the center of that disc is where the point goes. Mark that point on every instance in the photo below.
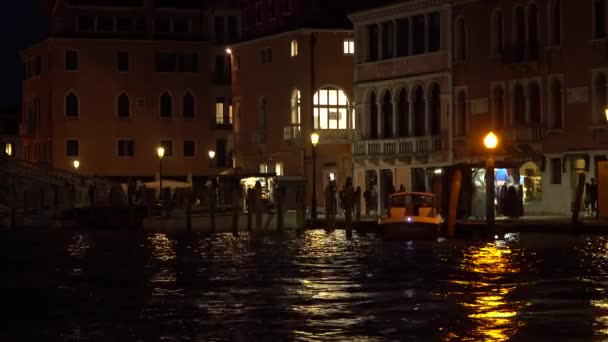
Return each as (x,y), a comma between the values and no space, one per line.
(132,148)
(118,109)
(348,47)
(188,92)
(317,107)
(293,48)
(194,151)
(160,105)
(65,105)
(220,114)
(67,68)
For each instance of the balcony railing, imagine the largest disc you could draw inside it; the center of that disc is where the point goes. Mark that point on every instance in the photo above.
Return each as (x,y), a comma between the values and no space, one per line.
(524,134)
(336,136)
(292,132)
(397,147)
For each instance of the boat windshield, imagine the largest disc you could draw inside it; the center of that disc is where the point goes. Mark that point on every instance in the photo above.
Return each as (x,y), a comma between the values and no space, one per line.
(412,200)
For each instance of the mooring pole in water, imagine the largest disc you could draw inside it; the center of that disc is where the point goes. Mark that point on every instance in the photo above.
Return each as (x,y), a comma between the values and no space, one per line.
(348,200)
(453,207)
(300,209)
(579,198)
(236,208)
(259,211)
(279,200)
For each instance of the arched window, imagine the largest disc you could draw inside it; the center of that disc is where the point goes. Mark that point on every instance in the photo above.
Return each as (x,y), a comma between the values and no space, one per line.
(499,107)
(519,27)
(388,40)
(419,113)
(535,104)
(373,116)
(296,109)
(497,33)
(555,22)
(387,115)
(555,119)
(166,105)
(403,107)
(123,106)
(330,109)
(519,105)
(600,92)
(188,106)
(461,118)
(460,41)
(599,18)
(532,32)
(435,109)
(71,105)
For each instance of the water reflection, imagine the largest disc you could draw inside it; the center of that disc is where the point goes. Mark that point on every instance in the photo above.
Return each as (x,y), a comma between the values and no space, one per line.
(486,292)
(597,250)
(79,245)
(163,252)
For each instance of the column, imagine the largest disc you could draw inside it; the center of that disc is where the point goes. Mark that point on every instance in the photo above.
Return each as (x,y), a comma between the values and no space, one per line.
(380,119)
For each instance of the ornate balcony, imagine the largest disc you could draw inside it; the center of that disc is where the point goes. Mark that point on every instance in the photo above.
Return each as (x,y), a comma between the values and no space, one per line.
(397,147)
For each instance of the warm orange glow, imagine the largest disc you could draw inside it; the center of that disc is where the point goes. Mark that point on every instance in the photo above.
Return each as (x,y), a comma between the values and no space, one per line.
(161,152)
(314,138)
(76,164)
(8,148)
(606,112)
(211,154)
(490,141)
(229,51)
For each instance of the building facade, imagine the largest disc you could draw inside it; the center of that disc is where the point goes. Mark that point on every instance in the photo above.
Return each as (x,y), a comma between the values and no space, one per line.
(432,79)
(114,80)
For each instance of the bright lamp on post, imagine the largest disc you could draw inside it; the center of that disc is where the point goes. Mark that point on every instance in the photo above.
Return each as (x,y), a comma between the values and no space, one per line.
(160,152)
(314,138)
(8,149)
(490,141)
(211,154)
(606,113)
(229,51)
(76,164)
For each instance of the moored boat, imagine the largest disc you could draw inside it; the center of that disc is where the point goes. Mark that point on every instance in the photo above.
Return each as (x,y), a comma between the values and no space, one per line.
(412,215)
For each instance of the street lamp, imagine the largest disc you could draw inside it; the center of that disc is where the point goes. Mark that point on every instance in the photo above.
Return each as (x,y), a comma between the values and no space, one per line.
(314,139)
(211,154)
(229,51)
(160,151)
(8,149)
(606,113)
(76,164)
(490,141)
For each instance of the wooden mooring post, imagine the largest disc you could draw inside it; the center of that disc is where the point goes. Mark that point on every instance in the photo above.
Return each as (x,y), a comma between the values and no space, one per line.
(579,198)
(453,207)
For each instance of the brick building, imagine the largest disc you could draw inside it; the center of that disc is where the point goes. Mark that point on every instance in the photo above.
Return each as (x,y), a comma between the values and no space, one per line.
(433,77)
(115,79)
(293,74)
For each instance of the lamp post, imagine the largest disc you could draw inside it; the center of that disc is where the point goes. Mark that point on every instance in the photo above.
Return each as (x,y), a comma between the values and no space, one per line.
(160,151)
(314,139)
(76,164)
(490,142)
(211,154)
(8,149)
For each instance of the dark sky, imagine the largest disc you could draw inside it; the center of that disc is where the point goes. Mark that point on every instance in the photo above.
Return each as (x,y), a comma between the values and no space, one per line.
(20,26)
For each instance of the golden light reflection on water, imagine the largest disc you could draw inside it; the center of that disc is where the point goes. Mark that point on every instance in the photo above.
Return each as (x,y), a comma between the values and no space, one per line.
(79,245)
(163,251)
(599,256)
(162,247)
(486,297)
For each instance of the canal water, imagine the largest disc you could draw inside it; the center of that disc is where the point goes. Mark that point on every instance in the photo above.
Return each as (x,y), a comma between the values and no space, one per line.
(129,286)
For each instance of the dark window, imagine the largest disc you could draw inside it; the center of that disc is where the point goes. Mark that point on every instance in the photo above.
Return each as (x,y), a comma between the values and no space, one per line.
(461,41)
(287,6)
(105,23)
(86,23)
(123,107)
(140,24)
(419,113)
(188,106)
(403,114)
(188,62)
(520,30)
(233,28)
(556,171)
(498,32)
(600,92)
(37,65)
(72,148)
(166,105)
(71,60)
(272,7)
(168,146)
(373,115)
(419,34)
(258,13)
(556,22)
(126,148)
(124,24)
(220,68)
(499,107)
(219,29)
(189,148)
(435,110)
(434,32)
(181,25)
(599,8)
(387,40)
(403,32)
(166,62)
(221,152)
(557,105)
(122,61)
(372,43)
(461,115)
(519,105)
(535,103)
(163,25)
(71,105)
(532,32)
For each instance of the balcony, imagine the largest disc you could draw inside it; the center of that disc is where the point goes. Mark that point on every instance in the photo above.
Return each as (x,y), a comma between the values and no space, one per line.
(337,136)
(397,147)
(526,134)
(292,132)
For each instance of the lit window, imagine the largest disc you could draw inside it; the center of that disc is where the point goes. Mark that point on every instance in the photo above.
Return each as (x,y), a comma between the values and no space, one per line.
(8,149)
(230,115)
(349,47)
(330,109)
(219,111)
(296,101)
(294,48)
(278,169)
(263,168)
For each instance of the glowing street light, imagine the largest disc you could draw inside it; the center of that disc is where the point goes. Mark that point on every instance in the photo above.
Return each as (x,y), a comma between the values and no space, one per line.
(8,149)
(76,164)
(229,51)
(606,113)
(211,154)
(160,151)
(314,139)
(490,141)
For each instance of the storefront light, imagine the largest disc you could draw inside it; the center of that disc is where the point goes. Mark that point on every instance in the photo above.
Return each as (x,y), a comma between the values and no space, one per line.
(8,149)
(606,113)
(438,171)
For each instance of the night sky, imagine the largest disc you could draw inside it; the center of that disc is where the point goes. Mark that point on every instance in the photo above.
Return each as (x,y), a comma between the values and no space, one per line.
(21,25)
